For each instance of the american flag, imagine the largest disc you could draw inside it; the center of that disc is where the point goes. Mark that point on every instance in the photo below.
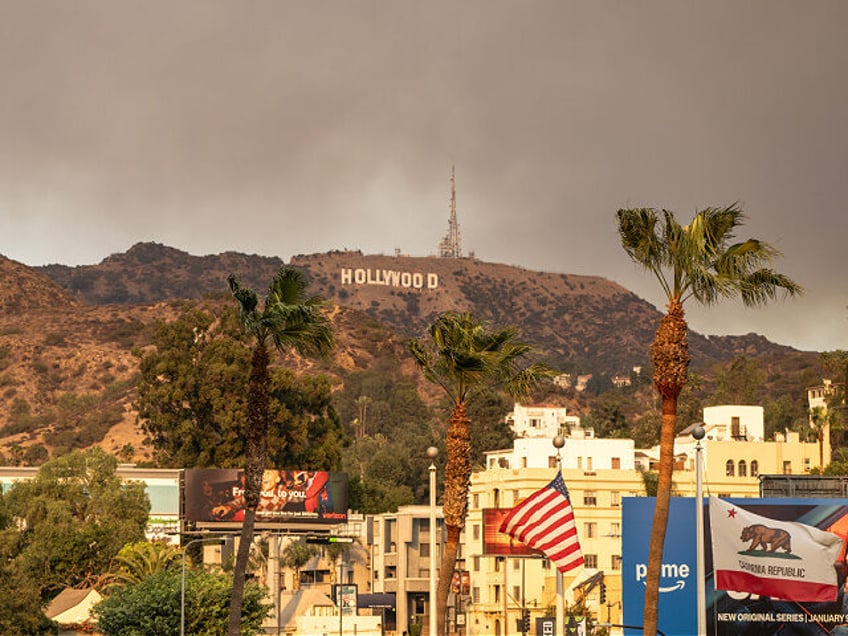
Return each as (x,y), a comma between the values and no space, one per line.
(545,521)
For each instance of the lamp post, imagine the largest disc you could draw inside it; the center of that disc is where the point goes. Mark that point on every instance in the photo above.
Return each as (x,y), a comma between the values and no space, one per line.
(182,584)
(431,453)
(698,433)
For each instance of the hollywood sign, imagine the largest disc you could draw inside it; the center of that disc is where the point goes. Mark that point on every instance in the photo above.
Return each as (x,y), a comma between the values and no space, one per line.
(388,277)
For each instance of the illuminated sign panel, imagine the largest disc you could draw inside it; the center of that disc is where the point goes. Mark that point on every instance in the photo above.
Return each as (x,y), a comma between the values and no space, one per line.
(215,495)
(495,542)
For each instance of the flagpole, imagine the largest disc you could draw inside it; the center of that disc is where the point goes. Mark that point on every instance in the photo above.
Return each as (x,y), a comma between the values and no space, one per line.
(559,442)
(698,433)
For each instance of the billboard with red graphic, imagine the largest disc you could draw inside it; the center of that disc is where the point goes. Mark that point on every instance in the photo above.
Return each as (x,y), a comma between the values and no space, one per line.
(288,496)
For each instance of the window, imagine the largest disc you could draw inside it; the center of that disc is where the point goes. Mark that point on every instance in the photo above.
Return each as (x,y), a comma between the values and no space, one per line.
(475,498)
(615,499)
(391,572)
(615,562)
(496,498)
(515,497)
(516,591)
(475,594)
(787,468)
(588,463)
(552,462)
(590,498)
(729,469)
(497,590)
(616,463)
(424,549)
(743,468)
(475,529)
(755,468)
(524,462)
(615,529)
(590,530)
(579,463)
(516,564)
(476,563)
(591,561)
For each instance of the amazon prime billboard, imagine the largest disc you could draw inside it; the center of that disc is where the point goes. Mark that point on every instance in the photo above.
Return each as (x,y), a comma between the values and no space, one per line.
(728,612)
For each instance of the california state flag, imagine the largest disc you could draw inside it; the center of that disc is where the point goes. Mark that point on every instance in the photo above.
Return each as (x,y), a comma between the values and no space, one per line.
(779,559)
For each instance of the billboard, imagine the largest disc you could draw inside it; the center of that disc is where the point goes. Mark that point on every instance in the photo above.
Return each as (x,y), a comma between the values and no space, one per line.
(288,496)
(497,543)
(728,612)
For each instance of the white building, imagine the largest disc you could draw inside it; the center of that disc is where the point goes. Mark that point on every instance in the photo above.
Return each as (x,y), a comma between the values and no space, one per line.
(541,421)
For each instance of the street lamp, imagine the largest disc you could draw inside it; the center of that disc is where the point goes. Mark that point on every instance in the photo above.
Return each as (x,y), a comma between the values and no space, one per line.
(431,453)
(182,584)
(698,433)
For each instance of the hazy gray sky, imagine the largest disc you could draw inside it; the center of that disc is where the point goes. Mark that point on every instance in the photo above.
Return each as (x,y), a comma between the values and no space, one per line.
(283,127)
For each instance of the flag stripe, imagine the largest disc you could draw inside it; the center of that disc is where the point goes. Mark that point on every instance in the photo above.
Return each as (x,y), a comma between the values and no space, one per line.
(545,521)
(801,591)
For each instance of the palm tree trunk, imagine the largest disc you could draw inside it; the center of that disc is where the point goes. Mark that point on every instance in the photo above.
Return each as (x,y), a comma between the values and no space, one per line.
(455,501)
(670,355)
(448,565)
(255,456)
(237,599)
(660,523)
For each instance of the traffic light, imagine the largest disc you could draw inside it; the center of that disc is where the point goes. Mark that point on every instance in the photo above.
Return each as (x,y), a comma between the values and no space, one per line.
(525,621)
(603,598)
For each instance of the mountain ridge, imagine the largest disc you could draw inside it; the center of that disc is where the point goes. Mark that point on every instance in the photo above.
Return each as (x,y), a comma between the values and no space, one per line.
(70,336)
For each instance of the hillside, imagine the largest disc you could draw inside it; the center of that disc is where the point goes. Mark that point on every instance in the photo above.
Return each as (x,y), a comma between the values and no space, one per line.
(68,334)
(581,323)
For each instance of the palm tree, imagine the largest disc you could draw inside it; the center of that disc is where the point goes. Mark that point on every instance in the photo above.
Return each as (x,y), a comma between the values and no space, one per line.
(295,555)
(465,358)
(289,319)
(693,261)
(819,418)
(136,561)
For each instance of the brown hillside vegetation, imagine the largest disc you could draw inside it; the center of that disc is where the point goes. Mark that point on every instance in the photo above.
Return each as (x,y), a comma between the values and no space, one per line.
(67,334)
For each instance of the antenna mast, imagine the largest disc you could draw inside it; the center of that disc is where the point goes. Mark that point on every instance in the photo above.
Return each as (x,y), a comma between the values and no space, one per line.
(450,246)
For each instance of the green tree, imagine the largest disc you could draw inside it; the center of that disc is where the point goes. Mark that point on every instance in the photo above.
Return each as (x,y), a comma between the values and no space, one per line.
(464,358)
(694,261)
(192,400)
(152,606)
(70,520)
(289,319)
(836,363)
(742,382)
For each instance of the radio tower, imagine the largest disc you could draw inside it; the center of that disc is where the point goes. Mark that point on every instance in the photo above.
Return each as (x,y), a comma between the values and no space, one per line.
(451,246)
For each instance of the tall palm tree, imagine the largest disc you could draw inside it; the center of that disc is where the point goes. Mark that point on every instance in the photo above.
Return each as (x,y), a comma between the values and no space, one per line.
(694,261)
(465,358)
(288,319)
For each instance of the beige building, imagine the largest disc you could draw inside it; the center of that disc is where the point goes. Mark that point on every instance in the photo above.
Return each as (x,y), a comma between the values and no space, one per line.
(400,562)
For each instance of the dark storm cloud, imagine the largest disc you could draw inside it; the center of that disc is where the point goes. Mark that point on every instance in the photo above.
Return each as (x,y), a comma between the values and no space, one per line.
(287,127)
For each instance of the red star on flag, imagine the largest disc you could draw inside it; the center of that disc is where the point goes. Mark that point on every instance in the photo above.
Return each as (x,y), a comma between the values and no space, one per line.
(731,512)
